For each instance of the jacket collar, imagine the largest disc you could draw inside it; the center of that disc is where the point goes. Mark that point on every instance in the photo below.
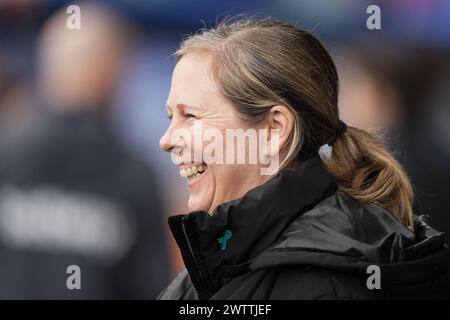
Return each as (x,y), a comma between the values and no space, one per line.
(250,224)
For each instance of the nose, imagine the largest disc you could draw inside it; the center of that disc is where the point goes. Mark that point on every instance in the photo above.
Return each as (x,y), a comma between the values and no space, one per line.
(166,142)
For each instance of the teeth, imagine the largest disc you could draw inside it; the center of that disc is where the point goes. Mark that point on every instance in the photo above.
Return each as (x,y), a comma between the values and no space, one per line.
(193,176)
(192,172)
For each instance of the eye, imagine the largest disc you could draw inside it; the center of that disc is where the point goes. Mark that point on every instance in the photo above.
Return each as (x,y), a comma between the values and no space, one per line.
(170,116)
(189,115)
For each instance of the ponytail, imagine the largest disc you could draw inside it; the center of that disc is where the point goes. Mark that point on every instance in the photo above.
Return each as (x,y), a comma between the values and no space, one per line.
(369,173)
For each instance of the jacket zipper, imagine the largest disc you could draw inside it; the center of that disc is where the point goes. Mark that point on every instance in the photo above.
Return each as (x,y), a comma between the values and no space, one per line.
(183,227)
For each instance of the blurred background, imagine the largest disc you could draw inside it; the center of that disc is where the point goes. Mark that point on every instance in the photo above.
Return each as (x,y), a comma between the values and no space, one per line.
(82,178)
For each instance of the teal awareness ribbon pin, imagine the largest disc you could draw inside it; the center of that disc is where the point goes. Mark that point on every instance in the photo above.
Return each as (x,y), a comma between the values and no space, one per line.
(224,240)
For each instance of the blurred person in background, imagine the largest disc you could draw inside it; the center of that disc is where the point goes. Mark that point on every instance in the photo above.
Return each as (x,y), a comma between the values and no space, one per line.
(70,193)
(402,94)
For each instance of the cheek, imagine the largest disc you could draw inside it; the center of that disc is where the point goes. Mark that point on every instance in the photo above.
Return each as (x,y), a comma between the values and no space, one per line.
(227,177)
(191,146)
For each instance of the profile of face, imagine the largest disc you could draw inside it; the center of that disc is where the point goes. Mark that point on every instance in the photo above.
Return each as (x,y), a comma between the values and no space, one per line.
(195,98)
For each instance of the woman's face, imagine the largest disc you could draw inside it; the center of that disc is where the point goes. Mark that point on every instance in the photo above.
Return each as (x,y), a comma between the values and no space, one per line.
(194,99)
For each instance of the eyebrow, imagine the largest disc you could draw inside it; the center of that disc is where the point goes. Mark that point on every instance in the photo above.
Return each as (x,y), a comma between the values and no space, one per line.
(182,106)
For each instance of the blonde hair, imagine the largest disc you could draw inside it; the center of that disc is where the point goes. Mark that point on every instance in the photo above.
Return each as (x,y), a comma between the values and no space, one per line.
(262,63)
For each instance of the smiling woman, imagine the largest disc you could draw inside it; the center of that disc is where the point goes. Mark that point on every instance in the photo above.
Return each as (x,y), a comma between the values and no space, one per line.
(312,229)
(193,85)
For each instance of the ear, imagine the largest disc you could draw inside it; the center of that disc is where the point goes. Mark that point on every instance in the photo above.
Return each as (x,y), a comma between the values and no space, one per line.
(281,119)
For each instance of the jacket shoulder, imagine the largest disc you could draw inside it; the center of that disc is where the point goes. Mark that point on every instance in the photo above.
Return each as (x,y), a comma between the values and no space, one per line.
(316,283)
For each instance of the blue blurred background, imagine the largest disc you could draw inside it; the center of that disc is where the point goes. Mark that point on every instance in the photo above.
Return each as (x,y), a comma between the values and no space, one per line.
(81,117)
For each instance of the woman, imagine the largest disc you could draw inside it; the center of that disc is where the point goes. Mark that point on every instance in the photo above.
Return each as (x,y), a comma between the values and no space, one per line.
(334,226)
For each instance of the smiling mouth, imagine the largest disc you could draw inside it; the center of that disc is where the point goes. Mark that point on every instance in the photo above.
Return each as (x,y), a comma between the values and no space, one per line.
(194,171)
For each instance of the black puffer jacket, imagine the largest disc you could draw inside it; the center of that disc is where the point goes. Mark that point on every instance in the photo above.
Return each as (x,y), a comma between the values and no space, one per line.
(299,237)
